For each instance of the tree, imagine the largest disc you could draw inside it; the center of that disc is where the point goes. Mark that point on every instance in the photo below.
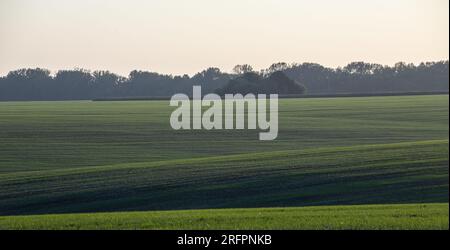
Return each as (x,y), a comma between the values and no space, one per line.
(356,77)
(280,66)
(74,84)
(242,69)
(105,83)
(276,83)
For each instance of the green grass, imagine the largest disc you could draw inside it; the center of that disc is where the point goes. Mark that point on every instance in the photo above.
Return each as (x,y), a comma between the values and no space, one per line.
(392,217)
(54,135)
(81,157)
(385,173)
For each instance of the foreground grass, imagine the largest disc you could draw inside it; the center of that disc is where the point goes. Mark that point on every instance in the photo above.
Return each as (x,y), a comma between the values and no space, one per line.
(405,217)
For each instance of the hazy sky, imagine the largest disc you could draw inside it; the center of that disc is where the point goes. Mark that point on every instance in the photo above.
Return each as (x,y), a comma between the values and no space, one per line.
(180,36)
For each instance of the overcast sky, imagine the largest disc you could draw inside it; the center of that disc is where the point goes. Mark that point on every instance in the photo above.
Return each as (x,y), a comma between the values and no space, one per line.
(179,36)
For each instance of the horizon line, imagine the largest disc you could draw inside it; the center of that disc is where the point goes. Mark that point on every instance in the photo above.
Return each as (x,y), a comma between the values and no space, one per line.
(53,72)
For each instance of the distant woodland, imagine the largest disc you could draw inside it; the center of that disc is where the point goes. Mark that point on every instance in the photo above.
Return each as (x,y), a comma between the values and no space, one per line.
(281,78)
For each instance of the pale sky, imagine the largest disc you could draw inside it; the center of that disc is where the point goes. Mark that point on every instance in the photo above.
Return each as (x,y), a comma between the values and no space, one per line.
(180,36)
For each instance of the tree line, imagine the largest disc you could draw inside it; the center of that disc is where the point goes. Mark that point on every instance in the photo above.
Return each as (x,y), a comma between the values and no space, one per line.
(356,77)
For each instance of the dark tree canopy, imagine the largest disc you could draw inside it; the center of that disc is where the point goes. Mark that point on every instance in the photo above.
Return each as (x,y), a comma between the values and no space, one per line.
(276,83)
(356,77)
(242,69)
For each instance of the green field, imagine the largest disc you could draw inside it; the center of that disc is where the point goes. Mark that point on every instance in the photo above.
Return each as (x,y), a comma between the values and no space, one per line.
(82,156)
(367,217)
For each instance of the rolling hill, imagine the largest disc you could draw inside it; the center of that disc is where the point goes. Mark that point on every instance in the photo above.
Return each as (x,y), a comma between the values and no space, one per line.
(82,157)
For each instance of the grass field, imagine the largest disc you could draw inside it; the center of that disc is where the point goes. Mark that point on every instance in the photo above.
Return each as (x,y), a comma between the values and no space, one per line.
(366,217)
(80,156)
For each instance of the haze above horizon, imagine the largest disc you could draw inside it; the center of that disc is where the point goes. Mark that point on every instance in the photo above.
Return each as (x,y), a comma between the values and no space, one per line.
(177,37)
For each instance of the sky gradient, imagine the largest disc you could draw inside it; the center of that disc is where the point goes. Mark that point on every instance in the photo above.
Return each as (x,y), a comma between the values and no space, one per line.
(178,37)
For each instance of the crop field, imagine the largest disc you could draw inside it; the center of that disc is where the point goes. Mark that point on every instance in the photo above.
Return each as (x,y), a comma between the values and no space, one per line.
(359,217)
(58,159)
